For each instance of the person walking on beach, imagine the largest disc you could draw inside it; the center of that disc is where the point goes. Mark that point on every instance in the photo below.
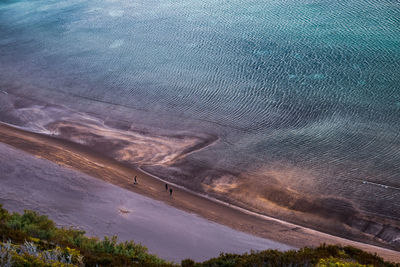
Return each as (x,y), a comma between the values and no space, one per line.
(166,187)
(170,192)
(135,180)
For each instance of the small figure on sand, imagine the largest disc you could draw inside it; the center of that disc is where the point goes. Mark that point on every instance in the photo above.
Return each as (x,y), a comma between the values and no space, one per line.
(170,191)
(166,187)
(135,180)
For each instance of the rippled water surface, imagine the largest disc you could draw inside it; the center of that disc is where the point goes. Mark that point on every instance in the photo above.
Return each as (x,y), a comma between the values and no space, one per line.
(306,92)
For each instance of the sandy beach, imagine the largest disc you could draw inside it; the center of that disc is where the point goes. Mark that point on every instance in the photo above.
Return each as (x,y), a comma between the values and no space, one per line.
(71,198)
(82,159)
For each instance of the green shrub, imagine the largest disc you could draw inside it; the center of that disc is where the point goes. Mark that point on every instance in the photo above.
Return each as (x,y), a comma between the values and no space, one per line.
(188,263)
(4,215)
(335,262)
(31,223)
(47,237)
(325,254)
(36,241)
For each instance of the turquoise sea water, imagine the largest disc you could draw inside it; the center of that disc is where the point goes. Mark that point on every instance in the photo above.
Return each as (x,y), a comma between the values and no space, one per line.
(309,86)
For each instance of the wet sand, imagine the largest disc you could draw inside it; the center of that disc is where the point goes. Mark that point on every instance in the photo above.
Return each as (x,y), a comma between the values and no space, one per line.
(85,160)
(72,198)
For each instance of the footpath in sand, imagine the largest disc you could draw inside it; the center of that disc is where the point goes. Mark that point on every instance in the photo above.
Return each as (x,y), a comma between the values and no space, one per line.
(84,160)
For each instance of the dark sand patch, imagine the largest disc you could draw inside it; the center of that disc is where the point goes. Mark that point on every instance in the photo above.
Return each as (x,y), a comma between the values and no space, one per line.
(72,198)
(192,158)
(83,159)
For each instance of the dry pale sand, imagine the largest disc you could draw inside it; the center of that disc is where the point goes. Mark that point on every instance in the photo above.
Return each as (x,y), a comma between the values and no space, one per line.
(83,159)
(72,198)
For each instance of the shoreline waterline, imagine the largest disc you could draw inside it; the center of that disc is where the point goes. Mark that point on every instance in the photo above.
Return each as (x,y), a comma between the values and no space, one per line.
(83,159)
(73,199)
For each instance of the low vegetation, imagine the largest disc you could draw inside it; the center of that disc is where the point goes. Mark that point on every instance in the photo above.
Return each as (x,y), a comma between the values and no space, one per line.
(34,240)
(323,256)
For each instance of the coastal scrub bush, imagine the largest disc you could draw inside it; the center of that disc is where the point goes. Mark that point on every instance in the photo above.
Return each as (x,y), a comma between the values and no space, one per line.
(28,254)
(4,215)
(63,246)
(335,262)
(188,263)
(324,255)
(31,239)
(32,224)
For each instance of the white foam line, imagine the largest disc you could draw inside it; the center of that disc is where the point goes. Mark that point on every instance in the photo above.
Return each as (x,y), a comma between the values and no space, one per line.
(197,150)
(370,183)
(28,129)
(381,185)
(15,126)
(4,92)
(265,217)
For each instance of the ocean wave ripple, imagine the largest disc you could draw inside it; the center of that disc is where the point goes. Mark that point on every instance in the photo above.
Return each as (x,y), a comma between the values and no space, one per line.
(304,96)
